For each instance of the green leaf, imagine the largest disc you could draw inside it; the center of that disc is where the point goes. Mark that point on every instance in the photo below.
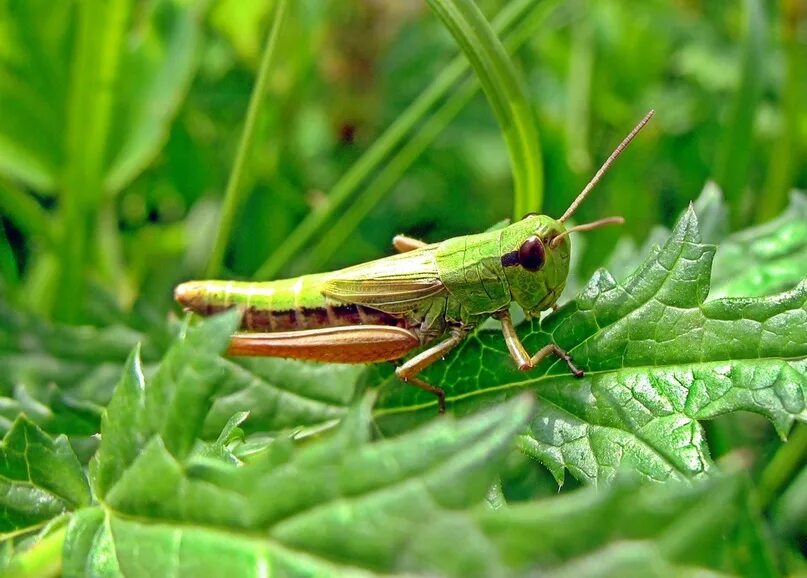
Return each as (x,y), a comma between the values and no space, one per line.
(606,533)
(339,505)
(283,395)
(60,376)
(658,358)
(40,478)
(675,526)
(159,63)
(764,259)
(172,407)
(706,529)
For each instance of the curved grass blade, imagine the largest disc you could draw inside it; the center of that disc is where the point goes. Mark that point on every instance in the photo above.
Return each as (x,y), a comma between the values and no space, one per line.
(538,19)
(379,151)
(506,94)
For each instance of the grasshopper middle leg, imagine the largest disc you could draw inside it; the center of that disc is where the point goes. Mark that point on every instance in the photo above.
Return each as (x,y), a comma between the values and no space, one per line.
(409,370)
(520,355)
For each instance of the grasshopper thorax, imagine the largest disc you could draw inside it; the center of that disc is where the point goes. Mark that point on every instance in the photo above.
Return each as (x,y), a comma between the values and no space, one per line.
(534,266)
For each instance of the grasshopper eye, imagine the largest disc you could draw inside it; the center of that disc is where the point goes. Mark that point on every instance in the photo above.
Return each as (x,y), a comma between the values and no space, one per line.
(531,254)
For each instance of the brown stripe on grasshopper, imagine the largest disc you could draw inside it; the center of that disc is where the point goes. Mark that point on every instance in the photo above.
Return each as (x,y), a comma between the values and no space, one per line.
(318,317)
(270,321)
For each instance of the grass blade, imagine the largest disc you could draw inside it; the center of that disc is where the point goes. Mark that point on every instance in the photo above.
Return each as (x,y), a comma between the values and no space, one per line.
(379,151)
(733,158)
(581,66)
(9,272)
(235,194)
(785,149)
(95,66)
(27,215)
(330,241)
(506,94)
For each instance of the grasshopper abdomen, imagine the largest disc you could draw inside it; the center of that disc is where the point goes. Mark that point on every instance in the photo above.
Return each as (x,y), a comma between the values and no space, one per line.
(278,306)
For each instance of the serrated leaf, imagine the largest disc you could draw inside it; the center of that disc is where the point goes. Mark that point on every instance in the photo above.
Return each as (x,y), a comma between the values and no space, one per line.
(63,376)
(658,359)
(282,394)
(40,478)
(346,505)
(60,376)
(122,430)
(625,530)
(708,525)
(713,221)
(175,506)
(341,505)
(764,259)
(171,408)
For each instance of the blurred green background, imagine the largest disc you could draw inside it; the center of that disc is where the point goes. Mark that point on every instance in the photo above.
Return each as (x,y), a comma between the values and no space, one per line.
(120,122)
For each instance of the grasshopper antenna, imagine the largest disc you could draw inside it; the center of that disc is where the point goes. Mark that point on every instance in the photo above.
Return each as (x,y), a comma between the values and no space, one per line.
(586,227)
(605,166)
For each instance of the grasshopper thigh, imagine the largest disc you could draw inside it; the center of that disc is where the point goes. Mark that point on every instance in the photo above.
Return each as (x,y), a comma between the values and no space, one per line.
(347,344)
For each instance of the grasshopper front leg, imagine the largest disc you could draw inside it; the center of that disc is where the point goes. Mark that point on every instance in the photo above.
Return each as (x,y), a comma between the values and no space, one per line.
(421,361)
(520,355)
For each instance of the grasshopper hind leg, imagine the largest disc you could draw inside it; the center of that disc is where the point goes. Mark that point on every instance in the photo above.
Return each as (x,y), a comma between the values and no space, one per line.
(409,370)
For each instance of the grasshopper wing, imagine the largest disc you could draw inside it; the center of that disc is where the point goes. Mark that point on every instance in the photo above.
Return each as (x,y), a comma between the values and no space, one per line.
(395,284)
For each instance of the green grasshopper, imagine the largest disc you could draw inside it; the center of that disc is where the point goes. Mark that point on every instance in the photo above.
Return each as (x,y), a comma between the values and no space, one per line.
(384,309)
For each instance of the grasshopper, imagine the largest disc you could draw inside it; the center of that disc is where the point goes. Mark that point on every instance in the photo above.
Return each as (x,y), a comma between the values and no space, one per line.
(427,295)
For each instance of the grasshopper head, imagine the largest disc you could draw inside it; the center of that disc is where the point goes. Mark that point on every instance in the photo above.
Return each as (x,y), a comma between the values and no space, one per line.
(535,250)
(535,257)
